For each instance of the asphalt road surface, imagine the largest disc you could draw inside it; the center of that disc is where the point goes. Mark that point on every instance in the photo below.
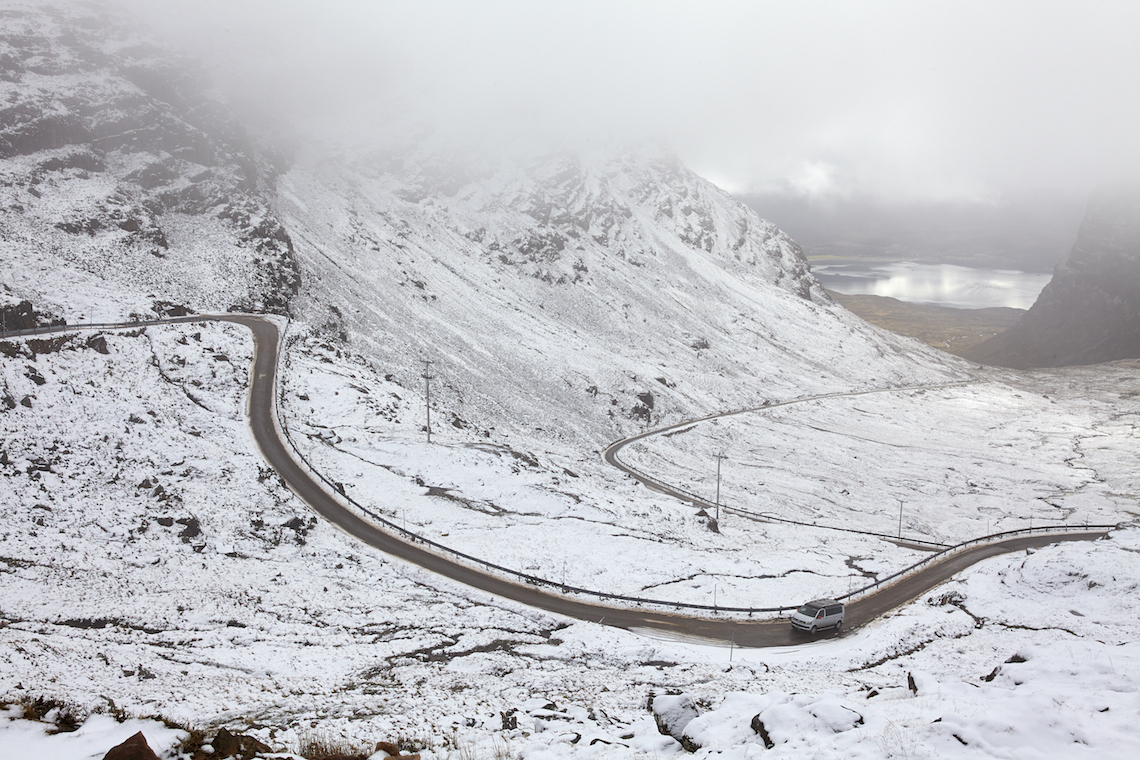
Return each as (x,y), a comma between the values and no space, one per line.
(745,633)
(723,629)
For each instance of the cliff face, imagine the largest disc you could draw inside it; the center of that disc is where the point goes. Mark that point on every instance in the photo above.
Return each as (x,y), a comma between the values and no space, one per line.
(122,179)
(1090,311)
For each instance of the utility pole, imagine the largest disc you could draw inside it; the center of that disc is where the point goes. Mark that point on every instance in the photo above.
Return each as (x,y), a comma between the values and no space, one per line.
(719,457)
(427,385)
(900,518)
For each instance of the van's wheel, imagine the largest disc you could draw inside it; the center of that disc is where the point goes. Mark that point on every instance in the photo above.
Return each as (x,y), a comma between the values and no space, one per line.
(811,631)
(839,626)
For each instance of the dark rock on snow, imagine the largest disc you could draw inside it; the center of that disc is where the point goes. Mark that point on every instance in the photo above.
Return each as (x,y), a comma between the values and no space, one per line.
(1090,311)
(243,747)
(134,748)
(673,713)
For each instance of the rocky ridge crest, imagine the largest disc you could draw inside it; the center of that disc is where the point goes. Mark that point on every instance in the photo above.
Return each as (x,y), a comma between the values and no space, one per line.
(553,216)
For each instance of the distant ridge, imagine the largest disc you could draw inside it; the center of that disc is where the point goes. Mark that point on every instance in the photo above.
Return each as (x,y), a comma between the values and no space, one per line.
(1090,311)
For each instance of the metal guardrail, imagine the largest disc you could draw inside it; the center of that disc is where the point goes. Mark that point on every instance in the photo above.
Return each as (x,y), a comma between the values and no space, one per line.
(131,325)
(705,503)
(534,580)
(46,329)
(992,538)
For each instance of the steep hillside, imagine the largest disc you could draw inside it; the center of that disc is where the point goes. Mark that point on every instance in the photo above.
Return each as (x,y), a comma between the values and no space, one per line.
(563,295)
(151,565)
(572,297)
(1090,311)
(124,186)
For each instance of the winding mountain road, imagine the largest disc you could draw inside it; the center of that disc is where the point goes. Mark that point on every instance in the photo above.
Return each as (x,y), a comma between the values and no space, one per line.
(742,632)
(746,633)
(611,457)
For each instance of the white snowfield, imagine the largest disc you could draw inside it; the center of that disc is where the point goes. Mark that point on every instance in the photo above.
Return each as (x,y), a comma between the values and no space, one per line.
(278,626)
(152,565)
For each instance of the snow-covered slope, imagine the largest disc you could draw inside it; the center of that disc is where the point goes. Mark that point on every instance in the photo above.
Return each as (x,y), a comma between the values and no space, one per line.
(565,301)
(573,297)
(151,565)
(124,185)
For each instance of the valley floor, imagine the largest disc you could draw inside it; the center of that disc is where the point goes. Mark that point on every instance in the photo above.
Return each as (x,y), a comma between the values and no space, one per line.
(153,566)
(952,330)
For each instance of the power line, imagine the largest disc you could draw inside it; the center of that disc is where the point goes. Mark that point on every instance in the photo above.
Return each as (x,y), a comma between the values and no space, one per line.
(428,376)
(719,457)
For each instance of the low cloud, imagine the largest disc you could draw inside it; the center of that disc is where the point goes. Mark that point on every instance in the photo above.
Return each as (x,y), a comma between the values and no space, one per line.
(945,100)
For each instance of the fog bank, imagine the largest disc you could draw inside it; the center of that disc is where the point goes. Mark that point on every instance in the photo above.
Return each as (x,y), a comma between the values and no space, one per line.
(964,101)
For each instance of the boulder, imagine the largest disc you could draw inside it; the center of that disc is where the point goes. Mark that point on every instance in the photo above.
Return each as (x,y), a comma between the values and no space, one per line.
(673,713)
(243,747)
(134,748)
(99,343)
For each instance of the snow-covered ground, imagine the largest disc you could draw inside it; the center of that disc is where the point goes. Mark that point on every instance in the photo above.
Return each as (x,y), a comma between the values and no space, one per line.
(965,460)
(1002,453)
(152,566)
(152,563)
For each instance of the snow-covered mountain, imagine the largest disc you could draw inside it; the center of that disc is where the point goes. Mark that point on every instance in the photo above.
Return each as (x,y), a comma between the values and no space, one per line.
(576,289)
(565,294)
(123,182)
(151,565)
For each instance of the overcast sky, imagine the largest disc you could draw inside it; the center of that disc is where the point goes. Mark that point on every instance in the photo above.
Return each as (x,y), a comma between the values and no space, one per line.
(898,100)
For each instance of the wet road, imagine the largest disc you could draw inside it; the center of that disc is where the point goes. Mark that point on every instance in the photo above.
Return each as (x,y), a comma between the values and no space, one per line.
(721,629)
(742,632)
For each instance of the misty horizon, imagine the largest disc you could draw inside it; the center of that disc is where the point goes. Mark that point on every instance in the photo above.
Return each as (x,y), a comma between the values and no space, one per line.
(951,102)
(443,379)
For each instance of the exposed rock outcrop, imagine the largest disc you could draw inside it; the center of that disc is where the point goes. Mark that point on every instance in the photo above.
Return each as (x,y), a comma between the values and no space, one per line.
(238,746)
(1090,311)
(23,316)
(117,163)
(673,713)
(134,748)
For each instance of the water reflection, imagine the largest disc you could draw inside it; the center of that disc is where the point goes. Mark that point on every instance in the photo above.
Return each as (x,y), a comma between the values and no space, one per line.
(940,284)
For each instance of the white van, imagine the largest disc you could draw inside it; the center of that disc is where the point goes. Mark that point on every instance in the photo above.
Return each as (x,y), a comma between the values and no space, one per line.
(817,615)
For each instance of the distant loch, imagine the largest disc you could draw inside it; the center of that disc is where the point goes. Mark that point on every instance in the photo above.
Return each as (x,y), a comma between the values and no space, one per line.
(937,284)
